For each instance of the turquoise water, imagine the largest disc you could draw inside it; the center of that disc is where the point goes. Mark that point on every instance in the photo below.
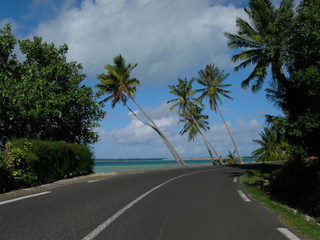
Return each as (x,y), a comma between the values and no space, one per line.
(143,165)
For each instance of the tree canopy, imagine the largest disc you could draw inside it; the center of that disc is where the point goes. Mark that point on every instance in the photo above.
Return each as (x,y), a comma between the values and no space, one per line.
(42,96)
(289,42)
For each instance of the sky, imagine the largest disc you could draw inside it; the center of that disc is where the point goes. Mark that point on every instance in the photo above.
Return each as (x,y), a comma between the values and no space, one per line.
(168,39)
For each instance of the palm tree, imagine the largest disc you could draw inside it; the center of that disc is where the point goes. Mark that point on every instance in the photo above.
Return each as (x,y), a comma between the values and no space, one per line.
(189,110)
(120,87)
(231,157)
(263,41)
(272,149)
(212,79)
(189,124)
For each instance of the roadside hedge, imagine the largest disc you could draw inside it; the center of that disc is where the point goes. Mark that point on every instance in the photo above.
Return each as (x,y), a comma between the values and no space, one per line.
(14,171)
(45,162)
(298,186)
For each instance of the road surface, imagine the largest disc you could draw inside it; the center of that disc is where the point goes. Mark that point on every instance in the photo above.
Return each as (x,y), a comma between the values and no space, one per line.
(195,203)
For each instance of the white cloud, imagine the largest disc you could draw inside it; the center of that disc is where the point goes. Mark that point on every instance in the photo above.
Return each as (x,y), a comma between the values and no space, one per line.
(137,137)
(253,123)
(164,37)
(135,133)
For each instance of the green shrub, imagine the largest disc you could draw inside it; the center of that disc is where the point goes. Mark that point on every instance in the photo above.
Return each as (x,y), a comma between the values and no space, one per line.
(15,172)
(298,186)
(52,161)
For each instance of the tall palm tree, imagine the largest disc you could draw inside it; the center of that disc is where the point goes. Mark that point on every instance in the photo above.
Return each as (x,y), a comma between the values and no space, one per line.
(189,110)
(212,79)
(120,87)
(263,41)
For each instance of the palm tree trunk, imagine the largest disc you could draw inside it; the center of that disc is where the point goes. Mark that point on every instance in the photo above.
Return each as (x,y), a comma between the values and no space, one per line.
(221,162)
(207,146)
(228,129)
(174,153)
(144,122)
(204,139)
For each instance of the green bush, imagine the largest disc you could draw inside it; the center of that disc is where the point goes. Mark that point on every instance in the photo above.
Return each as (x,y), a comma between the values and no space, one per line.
(15,172)
(298,185)
(51,161)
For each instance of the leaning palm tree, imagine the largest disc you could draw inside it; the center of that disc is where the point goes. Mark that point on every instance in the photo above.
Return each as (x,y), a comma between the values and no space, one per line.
(188,109)
(262,41)
(190,126)
(193,123)
(120,87)
(212,79)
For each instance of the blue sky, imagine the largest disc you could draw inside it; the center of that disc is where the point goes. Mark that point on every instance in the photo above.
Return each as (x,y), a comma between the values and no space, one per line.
(169,40)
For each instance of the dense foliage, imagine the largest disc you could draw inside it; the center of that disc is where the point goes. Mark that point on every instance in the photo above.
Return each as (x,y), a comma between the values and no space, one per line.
(299,96)
(14,171)
(298,185)
(289,42)
(41,96)
(26,163)
(272,147)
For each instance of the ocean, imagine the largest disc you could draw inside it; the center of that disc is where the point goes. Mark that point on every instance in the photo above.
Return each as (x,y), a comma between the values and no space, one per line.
(125,165)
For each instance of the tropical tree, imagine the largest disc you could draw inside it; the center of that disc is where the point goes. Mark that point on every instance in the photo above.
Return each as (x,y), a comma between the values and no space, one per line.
(299,98)
(213,81)
(271,147)
(190,126)
(288,41)
(42,95)
(263,41)
(188,109)
(231,157)
(120,87)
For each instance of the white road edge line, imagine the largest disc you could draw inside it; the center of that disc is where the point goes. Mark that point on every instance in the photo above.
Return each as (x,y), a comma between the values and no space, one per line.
(133,173)
(106,223)
(288,234)
(24,197)
(243,196)
(235,180)
(92,181)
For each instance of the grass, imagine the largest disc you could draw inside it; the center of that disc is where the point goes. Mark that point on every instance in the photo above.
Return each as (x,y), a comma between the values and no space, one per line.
(310,230)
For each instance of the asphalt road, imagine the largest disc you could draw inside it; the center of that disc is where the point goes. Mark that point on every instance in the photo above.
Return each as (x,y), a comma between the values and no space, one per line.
(195,203)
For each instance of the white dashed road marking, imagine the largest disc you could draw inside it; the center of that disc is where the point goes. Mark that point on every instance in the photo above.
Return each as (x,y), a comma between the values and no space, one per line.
(243,196)
(288,234)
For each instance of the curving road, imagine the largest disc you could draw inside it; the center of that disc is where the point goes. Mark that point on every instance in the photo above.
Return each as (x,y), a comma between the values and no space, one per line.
(195,203)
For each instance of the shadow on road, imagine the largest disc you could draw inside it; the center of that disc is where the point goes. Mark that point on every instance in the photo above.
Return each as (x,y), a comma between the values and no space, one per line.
(263,167)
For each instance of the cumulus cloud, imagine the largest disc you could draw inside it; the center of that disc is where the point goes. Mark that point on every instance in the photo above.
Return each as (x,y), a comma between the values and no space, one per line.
(164,37)
(136,132)
(136,137)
